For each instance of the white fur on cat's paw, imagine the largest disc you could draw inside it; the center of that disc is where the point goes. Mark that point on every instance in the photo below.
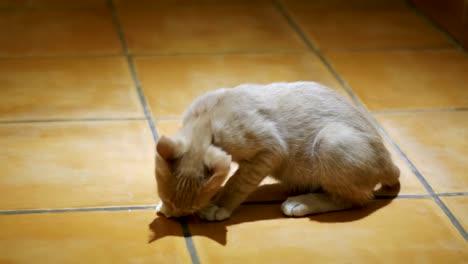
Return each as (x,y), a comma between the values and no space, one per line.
(161,209)
(159,206)
(214,213)
(293,206)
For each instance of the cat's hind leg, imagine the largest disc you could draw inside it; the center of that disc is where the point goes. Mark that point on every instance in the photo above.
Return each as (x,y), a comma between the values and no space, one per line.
(348,164)
(312,203)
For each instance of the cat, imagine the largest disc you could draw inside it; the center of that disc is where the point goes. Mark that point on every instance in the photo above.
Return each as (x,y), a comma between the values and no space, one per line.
(303,134)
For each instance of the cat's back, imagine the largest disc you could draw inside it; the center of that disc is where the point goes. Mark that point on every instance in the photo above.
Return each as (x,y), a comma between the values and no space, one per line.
(298,109)
(292,105)
(302,101)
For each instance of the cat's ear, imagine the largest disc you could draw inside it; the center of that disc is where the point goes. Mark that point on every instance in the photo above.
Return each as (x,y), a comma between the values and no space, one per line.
(219,163)
(170,148)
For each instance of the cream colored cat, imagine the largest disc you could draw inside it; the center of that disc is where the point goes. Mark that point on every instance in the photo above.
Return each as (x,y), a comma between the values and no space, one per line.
(303,134)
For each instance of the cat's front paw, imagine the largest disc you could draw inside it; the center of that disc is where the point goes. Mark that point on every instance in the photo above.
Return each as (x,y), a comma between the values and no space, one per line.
(214,213)
(160,208)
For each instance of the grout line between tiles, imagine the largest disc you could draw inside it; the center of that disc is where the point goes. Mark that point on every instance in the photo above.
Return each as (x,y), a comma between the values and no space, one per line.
(452,194)
(82,209)
(359,104)
(153,207)
(435,25)
(142,97)
(132,69)
(312,47)
(451,216)
(47,7)
(389,49)
(185,228)
(220,53)
(61,56)
(59,120)
(189,241)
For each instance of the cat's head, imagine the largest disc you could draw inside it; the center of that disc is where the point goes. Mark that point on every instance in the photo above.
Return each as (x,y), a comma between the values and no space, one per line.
(187,178)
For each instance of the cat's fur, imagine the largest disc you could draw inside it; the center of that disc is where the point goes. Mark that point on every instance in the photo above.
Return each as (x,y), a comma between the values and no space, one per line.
(303,134)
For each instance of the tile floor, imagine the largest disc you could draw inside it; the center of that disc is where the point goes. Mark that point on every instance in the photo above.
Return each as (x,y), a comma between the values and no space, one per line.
(87,86)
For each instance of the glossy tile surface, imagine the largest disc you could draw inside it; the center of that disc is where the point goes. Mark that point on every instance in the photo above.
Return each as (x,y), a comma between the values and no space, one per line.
(63,88)
(69,4)
(437,144)
(159,3)
(171,83)
(389,80)
(412,230)
(91,237)
(76,164)
(168,127)
(345,4)
(459,206)
(365,28)
(52,32)
(207,28)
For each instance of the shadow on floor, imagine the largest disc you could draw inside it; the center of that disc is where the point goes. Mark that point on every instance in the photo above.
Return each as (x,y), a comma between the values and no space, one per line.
(256,211)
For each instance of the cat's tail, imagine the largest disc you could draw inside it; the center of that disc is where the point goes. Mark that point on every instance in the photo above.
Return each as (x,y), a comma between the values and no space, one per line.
(351,162)
(389,186)
(392,176)
(343,157)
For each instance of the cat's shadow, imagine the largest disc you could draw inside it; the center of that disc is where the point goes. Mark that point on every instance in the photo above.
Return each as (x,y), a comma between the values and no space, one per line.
(162,227)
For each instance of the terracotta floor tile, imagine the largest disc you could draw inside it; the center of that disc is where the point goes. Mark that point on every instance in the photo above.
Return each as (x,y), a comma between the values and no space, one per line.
(171,83)
(271,190)
(409,231)
(91,237)
(159,3)
(44,32)
(406,79)
(436,142)
(52,3)
(345,4)
(207,28)
(82,164)
(458,205)
(168,127)
(50,88)
(355,28)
